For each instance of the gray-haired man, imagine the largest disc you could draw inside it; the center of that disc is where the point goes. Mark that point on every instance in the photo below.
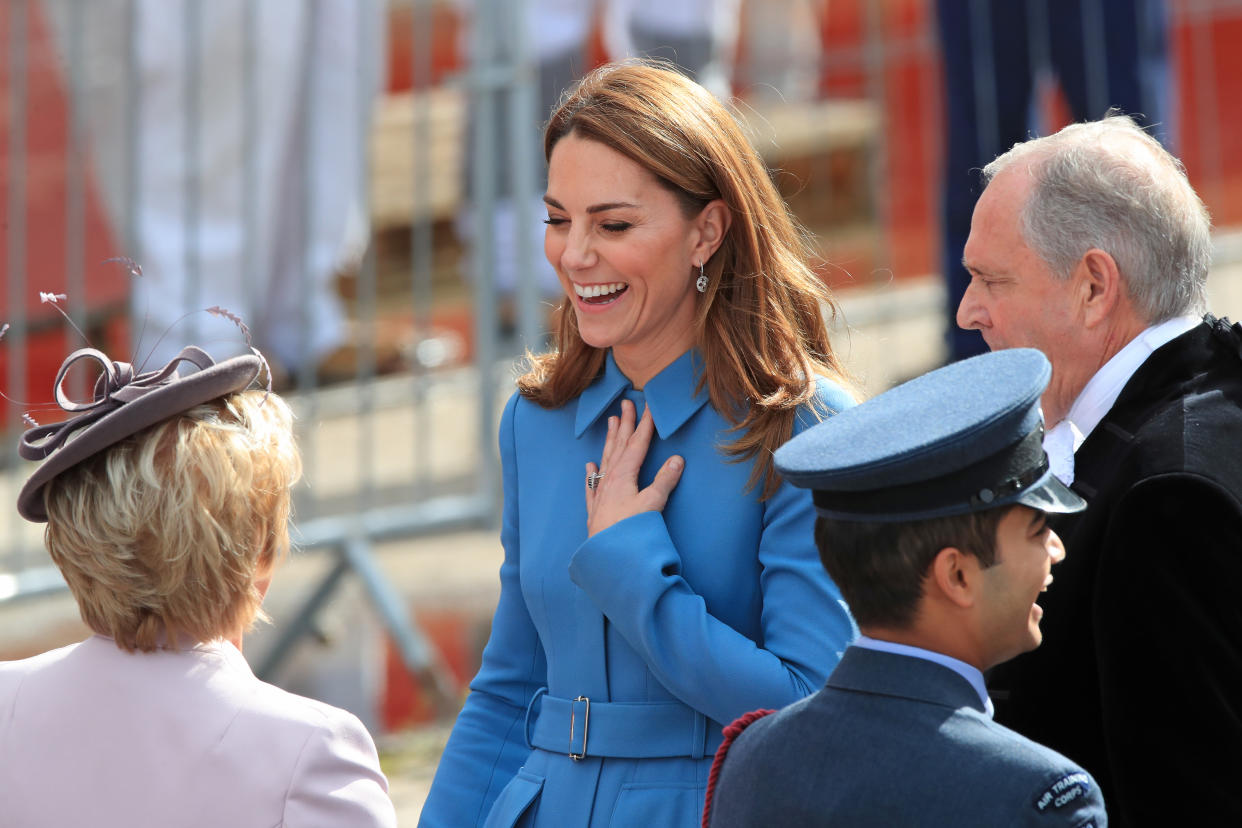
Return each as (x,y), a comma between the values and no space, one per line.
(1091,246)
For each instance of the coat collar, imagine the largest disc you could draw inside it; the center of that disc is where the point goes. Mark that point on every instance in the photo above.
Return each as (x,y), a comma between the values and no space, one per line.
(672,394)
(1167,374)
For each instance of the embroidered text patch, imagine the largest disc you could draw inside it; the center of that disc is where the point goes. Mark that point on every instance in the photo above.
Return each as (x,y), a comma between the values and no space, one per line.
(1065,790)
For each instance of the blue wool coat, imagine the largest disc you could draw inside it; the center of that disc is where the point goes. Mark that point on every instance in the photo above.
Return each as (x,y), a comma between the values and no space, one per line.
(670,623)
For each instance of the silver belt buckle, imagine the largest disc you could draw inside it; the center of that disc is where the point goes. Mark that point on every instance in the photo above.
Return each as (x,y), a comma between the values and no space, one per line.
(586,723)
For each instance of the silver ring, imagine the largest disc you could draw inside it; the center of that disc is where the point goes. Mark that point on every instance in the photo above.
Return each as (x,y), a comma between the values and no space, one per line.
(593,479)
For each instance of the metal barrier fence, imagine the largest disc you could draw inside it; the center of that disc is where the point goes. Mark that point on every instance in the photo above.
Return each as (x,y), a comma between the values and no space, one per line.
(245,155)
(227,148)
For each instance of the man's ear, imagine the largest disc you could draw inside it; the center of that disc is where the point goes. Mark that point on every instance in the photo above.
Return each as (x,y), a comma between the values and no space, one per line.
(713,223)
(1098,280)
(954,576)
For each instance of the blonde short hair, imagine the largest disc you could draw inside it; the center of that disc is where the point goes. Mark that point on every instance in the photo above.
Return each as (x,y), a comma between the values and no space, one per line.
(165,536)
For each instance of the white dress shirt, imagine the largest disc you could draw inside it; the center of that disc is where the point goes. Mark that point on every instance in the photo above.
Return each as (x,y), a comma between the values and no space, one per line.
(1102,390)
(966,671)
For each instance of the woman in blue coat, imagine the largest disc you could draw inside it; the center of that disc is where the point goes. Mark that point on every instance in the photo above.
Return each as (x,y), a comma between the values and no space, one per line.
(678,587)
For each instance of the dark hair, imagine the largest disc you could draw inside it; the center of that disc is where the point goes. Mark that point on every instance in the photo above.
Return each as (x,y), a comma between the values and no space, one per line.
(880,567)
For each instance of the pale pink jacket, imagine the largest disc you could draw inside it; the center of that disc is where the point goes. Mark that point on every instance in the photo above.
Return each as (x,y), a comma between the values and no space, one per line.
(91,735)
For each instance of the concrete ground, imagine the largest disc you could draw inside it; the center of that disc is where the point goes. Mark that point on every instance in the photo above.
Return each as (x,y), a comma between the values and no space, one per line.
(885,333)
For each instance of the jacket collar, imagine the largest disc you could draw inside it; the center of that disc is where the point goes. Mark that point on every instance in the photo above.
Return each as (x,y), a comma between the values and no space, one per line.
(907,677)
(1167,371)
(185,647)
(672,394)
(1173,371)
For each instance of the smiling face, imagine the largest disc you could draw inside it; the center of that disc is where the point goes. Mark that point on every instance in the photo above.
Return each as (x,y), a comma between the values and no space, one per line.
(1014,298)
(626,255)
(1026,549)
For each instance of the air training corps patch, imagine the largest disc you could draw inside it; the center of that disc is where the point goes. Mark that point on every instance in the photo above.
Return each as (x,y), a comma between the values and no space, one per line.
(1063,792)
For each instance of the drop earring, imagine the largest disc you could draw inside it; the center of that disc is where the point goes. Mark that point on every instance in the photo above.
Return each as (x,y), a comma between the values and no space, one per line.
(701,283)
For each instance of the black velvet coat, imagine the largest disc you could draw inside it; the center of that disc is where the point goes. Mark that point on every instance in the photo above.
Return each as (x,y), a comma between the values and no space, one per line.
(1139,678)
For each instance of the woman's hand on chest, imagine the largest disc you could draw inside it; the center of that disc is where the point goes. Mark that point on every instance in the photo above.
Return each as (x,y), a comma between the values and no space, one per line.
(612,492)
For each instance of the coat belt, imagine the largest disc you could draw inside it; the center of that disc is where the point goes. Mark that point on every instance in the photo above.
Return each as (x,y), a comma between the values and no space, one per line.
(624,730)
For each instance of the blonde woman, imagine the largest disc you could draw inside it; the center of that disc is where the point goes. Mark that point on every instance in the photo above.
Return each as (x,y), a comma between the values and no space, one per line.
(166,500)
(678,587)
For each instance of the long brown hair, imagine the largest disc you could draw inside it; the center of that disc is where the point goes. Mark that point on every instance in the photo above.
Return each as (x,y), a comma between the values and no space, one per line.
(760,324)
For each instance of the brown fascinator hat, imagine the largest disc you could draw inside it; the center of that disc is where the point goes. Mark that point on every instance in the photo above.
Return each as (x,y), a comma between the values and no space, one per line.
(124,403)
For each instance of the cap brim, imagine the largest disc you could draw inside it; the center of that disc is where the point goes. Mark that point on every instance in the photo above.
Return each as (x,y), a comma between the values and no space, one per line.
(1051,495)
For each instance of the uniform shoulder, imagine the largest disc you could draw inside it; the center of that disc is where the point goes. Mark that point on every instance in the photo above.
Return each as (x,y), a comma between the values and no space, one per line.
(764,727)
(1054,784)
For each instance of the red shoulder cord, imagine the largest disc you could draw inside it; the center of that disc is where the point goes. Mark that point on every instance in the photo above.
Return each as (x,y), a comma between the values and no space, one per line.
(730,733)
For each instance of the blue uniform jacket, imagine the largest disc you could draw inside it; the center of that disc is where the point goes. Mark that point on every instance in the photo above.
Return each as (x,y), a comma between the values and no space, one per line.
(670,623)
(895,740)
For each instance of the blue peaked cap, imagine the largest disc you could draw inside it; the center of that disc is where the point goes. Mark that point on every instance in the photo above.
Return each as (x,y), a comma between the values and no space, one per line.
(962,438)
